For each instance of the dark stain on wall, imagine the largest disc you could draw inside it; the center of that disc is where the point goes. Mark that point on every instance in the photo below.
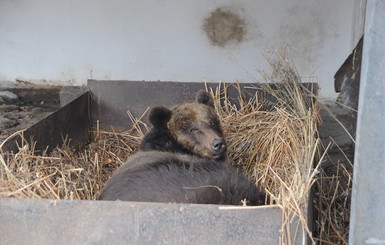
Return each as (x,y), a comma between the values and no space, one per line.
(224,26)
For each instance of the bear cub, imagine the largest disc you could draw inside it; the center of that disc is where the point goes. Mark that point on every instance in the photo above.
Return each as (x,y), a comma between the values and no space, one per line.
(182,160)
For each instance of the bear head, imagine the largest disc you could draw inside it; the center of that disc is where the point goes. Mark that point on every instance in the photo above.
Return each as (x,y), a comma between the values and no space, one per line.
(191,128)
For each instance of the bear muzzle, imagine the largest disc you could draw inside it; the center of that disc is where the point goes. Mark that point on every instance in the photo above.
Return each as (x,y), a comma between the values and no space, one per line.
(219,146)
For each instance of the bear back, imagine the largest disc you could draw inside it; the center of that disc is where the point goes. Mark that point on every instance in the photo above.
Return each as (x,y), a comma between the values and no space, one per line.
(155,176)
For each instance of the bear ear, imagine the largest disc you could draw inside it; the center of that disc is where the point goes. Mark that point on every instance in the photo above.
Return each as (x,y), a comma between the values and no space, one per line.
(159,116)
(205,98)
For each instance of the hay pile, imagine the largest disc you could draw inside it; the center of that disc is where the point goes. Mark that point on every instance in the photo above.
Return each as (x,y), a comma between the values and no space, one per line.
(274,142)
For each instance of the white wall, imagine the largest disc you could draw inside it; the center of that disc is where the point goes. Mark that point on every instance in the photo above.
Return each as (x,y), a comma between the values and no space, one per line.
(69,41)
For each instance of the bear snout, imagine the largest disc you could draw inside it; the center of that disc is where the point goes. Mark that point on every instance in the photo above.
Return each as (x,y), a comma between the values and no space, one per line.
(219,146)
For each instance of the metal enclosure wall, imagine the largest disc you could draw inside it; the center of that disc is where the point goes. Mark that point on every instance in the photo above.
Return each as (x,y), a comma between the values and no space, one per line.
(368,213)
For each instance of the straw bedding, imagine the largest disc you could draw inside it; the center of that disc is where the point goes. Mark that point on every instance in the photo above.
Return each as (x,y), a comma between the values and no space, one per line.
(275,143)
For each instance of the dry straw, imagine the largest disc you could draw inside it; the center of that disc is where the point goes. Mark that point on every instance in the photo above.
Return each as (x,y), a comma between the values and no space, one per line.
(67,173)
(332,200)
(275,142)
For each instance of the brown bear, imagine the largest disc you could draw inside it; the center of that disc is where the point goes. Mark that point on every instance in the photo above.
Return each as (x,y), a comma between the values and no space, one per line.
(182,161)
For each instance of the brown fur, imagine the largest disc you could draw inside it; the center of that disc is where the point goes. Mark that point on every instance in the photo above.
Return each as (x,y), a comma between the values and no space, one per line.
(189,128)
(196,126)
(155,176)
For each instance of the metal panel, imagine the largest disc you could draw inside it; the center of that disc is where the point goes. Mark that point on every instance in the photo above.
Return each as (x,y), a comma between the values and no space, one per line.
(368,213)
(103,222)
(110,100)
(72,120)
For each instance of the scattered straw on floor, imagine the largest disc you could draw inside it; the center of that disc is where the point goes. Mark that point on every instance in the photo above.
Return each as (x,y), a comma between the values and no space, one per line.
(332,203)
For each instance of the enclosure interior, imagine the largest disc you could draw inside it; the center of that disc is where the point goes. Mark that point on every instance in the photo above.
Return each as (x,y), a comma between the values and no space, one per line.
(105,106)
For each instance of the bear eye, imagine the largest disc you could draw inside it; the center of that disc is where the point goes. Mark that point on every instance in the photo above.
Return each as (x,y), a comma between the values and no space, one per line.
(213,123)
(193,130)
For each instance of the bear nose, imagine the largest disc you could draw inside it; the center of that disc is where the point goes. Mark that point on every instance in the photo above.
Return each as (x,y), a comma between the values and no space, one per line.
(219,146)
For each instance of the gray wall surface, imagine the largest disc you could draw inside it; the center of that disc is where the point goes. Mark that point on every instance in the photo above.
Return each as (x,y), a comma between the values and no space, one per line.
(66,42)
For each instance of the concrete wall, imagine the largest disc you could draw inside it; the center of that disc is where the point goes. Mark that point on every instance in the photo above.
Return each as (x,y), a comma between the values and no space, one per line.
(68,41)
